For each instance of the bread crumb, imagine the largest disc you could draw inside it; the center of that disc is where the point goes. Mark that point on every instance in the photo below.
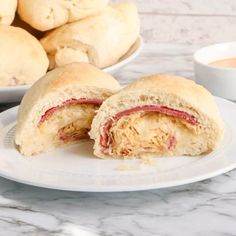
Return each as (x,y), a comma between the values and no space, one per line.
(128,168)
(146,160)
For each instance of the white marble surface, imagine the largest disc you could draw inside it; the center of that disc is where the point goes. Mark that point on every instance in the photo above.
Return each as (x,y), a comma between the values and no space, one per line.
(193,22)
(160,58)
(173,30)
(204,208)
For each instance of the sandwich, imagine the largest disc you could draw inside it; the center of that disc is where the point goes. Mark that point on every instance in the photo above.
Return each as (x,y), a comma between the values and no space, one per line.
(101,39)
(23,59)
(45,15)
(58,109)
(160,115)
(7,11)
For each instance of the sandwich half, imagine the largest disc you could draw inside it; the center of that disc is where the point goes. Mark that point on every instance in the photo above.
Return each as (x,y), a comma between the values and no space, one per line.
(100,39)
(159,115)
(45,15)
(59,108)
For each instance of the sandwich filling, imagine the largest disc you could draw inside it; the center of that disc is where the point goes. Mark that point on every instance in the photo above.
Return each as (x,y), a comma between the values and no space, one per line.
(69,121)
(147,129)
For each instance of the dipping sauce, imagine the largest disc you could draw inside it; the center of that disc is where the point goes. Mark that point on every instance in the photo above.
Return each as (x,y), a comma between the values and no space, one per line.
(226,63)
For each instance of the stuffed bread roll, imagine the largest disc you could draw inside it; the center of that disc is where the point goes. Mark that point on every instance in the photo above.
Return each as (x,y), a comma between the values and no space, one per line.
(22,58)
(7,11)
(59,108)
(100,39)
(48,14)
(162,115)
(18,22)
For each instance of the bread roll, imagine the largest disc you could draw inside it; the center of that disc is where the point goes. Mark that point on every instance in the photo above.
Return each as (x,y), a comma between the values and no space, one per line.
(7,11)
(22,24)
(23,59)
(162,115)
(101,39)
(59,108)
(45,15)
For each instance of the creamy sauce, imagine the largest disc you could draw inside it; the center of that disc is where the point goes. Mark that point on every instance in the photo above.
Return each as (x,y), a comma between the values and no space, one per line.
(226,63)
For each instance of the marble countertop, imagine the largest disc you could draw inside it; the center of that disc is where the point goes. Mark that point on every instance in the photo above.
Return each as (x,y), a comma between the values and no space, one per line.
(203,208)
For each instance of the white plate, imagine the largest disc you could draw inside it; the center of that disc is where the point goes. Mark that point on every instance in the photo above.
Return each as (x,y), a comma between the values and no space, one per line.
(76,169)
(15,93)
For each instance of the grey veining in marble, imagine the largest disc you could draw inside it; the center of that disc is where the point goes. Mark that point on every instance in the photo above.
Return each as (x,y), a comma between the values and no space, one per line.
(160,58)
(198,22)
(206,208)
(172,31)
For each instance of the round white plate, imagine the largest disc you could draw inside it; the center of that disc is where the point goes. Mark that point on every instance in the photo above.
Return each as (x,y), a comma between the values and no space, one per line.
(15,93)
(75,168)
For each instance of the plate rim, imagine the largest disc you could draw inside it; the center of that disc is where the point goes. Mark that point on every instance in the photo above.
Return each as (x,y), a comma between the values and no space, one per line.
(142,187)
(102,189)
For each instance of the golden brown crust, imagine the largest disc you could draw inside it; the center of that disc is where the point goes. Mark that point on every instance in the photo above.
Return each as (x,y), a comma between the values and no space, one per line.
(169,91)
(23,59)
(186,89)
(74,81)
(7,11)
(101,39)
(45,15)
(82,74)
(75,74)
(22,24)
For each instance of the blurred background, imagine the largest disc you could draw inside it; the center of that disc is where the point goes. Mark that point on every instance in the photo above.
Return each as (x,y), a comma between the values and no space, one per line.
(174,29)
(196,22)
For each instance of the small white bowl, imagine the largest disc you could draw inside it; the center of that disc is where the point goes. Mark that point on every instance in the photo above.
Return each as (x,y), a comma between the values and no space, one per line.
(15,93)
(218,80)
